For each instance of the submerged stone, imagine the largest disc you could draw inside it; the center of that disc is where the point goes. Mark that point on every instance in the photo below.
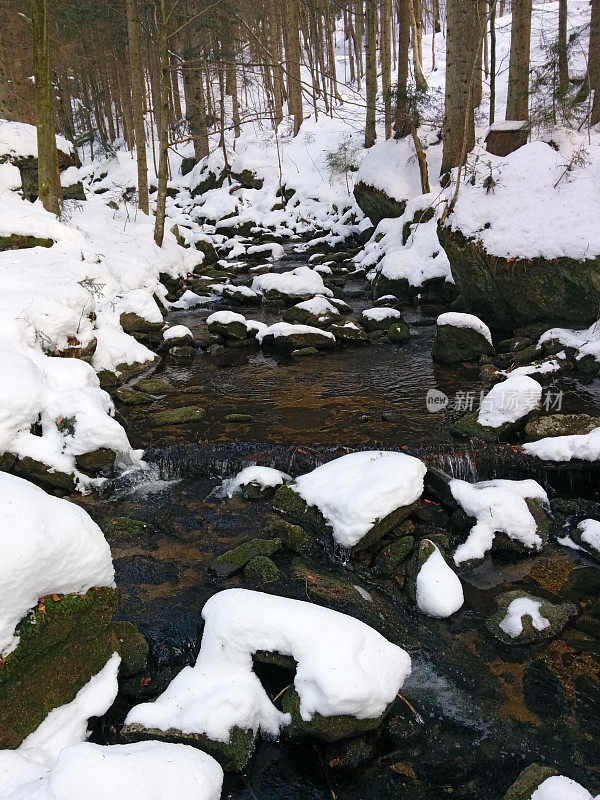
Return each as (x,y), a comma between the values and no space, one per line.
(133,648)
(178,416)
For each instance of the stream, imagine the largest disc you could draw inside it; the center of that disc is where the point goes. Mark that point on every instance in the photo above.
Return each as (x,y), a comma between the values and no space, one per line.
(478,711)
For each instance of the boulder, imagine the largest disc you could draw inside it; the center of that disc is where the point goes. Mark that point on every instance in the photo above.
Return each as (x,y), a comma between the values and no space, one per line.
(95,460)
(514,292)
(376,204)
(228,325)
(289,337)
(233,560)
(134,324)
(390,557)
(553,617)
(453,344)
(398,332)
(528,781)
(560,425)
(349,331)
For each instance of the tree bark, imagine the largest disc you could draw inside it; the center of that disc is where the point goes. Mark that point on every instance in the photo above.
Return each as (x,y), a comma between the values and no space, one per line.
(276,61)
(517,104)
(163,128)
(462,49)
(402,121)
(137,97)
(594,61)
(292,56)
(385,13)
(48,178)
(492,14)
(371,72)
(563,53)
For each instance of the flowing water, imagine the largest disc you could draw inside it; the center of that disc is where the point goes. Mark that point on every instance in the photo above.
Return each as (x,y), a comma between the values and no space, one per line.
(479,712)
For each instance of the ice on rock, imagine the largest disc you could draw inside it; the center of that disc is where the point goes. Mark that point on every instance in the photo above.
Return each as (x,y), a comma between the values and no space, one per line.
(357,490)
(459,320)
(439,590)
(344,667)
(49,546)
(509,401)
(499,507)
(512,624)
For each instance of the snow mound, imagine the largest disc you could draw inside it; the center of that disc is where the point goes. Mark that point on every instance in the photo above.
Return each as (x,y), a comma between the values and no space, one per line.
(19,139)
(439,590)
(297,283)
(357,490)
(318,306)
(264,477)
(509,401)
(141,771)
(177,332)
(379,314)
(470,321)
(590,533)
(391,166)
(585,447)
(49,546)
(512,624)
(499,507)
(558,787)
(344,667)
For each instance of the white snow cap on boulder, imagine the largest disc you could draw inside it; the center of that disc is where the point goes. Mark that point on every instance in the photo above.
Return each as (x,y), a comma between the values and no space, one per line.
(499,507)
(300,281)
(265,477)
(359,489)
(509,401)
(49,546)
(344,667)
(439,590)
(459,320)
(558,787)
(512,624)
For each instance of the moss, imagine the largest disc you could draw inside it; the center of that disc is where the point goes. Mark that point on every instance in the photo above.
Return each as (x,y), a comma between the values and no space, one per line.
(390,557)
(96,459)
(453,344)
(324,729)
(19,242)
(233,755)
(294,537)
(122,373)
(467,427)
(41,473)
(229,330)
(247,178)
(126,528)
(398,332)
(178,416)
(261,569)
(528,781)
(131,397)
(558,614)
(560,425)
(513,292)
(238,418)
(152,386)
(182,352)
(376,204)
(62,645)
(133,323)
(133,647)
(424,550)
(233,560)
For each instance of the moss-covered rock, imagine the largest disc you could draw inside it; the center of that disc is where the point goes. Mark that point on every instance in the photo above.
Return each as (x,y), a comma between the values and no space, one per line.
(95,460)
(133,648)
(513,292)
(153,386)
(74,192)
(121,374)
(182,353)
(234,329)
(62,644)
(557,614)
(247,178)
(560,425)
(209,252)
(453,344)
(132,397)
(424,549)
(398,332)
(390,557)
(298,340)
(17,241)
(301,316)
(134,324)
(40,473)
(323,729)
(376,204)
(528,781)
(178,416)
(233,755)
(293,537)
(237,558)
(349,331)
(260,570)
(126,528)
(239,418)
(468,427)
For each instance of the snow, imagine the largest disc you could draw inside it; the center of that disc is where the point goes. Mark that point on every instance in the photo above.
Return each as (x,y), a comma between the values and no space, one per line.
(177,332)
(318,306)
(509,401)
(298,282)
(590,535)
(355,491)
(512,624)
(265,477)
(558,787)
(10,177)
(141,771)
(391,166)
(275,250)
(499,507)
(18,139)
(225,318)
(379,314)
(458,320)
(439,590)
(49,546)
(586,342)
(344,667)
(585,447)
(282,329)
(69,177)
(508,125)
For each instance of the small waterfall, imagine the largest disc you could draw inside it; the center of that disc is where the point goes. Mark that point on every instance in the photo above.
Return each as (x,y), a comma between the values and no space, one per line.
(458,464)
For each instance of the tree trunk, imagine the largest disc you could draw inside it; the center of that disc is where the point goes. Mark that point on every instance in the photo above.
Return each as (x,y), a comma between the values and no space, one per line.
(276,61)
(48,178)
(417,27)
(163,128)
(403,121)
(563,53)
(594,61)
(137,97)
(462,50)
(517,104)
(492,13)
(371,71)
(385,13)
(292,57)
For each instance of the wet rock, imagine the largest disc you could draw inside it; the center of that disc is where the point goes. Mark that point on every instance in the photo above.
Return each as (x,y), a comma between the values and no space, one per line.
(560,425)
(528,781)
(233,755)
(95,460)
(260,570)
(351,753)
(558,615)
(234,560)
(390,557)
(153,386)
(349,331)
(323,729)
(133,648)
(300,339)
(134,324)
(587,704)
(376,204)
(453,344)
(398,332)
(514,344)
(126,528)
(178,416)
(543,692)
(305,351)
(468,427)
(42,474)
(121,374)
(380,319)
(293,537)
(231,329)
(132,397)
(63,643)
(185,353)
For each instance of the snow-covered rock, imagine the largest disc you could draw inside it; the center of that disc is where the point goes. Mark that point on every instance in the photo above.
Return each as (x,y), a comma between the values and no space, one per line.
(512,623)
(293,337)
(509,401)
(467,321)
(501,507)
(438,589)
(559,787)
(300,284)
(318,311)
(255,481)
(585,447)
(344,668)
(461,337)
